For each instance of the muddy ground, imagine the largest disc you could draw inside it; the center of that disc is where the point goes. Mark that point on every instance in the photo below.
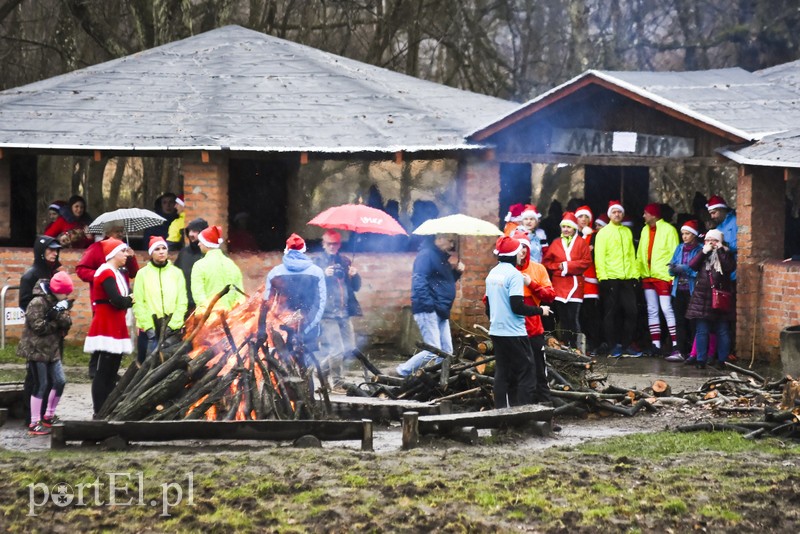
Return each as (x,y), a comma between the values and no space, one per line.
(639,480)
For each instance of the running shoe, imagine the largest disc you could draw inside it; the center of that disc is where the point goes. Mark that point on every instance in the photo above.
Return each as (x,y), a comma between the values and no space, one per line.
(676,356)
(38,429)
(616,352)
(50,421)
(631,353)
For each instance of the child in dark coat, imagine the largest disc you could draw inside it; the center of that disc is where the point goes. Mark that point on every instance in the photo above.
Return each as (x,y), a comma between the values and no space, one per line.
(47,321)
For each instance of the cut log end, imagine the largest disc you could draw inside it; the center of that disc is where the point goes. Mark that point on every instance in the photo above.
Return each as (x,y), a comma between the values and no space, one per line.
(661,388)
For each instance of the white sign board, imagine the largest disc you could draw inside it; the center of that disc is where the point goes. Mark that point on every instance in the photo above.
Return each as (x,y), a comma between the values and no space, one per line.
(15,316)
(624,142)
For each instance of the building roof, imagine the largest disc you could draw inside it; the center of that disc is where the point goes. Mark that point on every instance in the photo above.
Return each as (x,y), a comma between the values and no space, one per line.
(238,89)
(744,105)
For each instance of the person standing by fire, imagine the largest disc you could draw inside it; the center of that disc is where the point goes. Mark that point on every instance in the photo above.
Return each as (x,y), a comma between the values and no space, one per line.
(108,338)
(215,271)
(296,285)
(160,297)
(191,254)
(514,375)
(342,281)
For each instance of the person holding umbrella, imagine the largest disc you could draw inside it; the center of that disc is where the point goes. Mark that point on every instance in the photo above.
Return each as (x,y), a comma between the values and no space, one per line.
(433,290)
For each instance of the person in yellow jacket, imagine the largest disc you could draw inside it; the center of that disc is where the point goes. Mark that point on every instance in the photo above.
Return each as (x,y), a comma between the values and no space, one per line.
(657,244)
(176,227)
(159,295)
(617,273)
(213,272)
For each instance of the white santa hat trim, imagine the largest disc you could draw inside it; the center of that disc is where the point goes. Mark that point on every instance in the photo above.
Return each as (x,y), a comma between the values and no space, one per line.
(615,207)
(116,250)
(512,253)
(685,228)
(530,213)
(583,212)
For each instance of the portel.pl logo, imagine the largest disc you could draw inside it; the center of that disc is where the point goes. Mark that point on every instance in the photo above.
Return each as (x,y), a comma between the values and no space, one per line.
(116,489)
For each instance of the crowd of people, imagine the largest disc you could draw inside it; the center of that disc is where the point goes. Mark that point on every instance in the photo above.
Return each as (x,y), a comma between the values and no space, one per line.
(159,297)
(668,293)
(593,281)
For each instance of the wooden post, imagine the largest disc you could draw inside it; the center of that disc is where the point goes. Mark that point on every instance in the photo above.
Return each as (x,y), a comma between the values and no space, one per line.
(410,430)
(57,440)
(366,441)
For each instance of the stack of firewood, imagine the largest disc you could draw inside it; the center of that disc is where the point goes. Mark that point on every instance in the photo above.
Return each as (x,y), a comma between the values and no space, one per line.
(219,373)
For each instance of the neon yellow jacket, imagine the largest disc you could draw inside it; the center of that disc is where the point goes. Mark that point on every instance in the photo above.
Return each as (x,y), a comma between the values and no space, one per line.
(175,231)
(210,274)
(614,257)
(160,292)
(664,246)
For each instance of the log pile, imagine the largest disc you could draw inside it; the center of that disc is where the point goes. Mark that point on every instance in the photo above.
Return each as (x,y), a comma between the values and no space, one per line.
(219,373)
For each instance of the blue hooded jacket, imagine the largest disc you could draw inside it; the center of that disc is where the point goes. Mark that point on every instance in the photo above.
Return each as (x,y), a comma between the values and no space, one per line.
(301,286)
(433,282)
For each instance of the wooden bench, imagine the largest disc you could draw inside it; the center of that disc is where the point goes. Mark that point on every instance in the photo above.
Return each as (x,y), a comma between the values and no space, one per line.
(467,423)
(161,431)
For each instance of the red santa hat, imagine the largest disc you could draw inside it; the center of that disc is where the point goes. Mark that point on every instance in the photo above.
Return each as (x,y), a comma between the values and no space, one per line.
(614,205)
(155,242)
(653,209)
(295,242)
(179,200)
(627,221)
(522,237)
(112,246)
(211,237)
(691,226)
(507,246)
(715,203)
(514,212)
(602,220)
(61,283)
(584,210)
(530,211)
(569,219)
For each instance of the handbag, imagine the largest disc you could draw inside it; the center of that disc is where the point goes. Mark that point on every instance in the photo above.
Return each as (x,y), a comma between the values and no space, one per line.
(721,300)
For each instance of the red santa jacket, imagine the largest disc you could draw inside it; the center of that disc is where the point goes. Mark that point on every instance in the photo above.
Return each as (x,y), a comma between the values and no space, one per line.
(591,287)
(109,330)
(566,264)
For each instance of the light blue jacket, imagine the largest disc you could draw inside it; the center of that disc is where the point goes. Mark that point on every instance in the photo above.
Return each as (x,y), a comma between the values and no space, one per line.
(690,273)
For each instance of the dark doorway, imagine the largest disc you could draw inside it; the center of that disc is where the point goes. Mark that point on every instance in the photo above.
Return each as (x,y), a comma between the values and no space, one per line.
(259,189)
(630,185)
(21,205)
(515,185)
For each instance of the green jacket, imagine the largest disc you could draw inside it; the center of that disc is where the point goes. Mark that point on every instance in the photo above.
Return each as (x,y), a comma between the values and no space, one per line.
(160,292)
(614,257)
(664,246)
(210,274)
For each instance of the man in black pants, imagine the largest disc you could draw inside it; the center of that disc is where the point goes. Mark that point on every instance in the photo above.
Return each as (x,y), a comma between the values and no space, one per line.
(515,378)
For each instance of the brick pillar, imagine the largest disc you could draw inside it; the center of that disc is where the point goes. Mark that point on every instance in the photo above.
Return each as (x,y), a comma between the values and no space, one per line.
(479,193)
(760,217)
(205,188)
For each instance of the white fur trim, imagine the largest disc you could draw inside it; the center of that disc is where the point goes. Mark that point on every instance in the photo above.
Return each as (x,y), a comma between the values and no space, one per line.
(530,213)
(206,242)
(514,253)
(615,206)
(600,222)
(689,229)
(567,222)
(710,207)
(584,212)
(116,250)
(108,344)
(287,249)
(159,243)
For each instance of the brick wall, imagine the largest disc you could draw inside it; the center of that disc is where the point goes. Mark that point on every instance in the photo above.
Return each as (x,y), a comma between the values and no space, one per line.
(766,288)
(385,291)
(205,189)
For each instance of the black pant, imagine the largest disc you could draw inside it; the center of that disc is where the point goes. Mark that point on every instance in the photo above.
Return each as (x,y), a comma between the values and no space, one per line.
(514,379)
(590,321)
(105,377)
(541,390)
(618,295)
(684,328)
(568,325)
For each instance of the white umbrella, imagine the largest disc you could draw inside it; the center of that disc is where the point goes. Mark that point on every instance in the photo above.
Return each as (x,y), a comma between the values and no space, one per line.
(133,219)
(458,224)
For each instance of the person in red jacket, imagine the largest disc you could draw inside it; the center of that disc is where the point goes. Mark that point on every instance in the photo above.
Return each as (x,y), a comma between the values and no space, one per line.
(71,226)
(591,316)
(567,258)
(93,258)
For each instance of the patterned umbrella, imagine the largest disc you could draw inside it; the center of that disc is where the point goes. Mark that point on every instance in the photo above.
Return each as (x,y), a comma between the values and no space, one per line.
(359,219)
(134,219)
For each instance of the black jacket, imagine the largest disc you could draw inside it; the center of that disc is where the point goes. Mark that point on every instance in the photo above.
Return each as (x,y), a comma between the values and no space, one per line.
(40,269)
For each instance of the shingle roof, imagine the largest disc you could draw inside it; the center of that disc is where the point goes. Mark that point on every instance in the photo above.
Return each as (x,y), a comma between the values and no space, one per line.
(239,89)
(736,101)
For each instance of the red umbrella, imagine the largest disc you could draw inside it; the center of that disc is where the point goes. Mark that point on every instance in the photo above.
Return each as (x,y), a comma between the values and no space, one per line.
(358,218)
